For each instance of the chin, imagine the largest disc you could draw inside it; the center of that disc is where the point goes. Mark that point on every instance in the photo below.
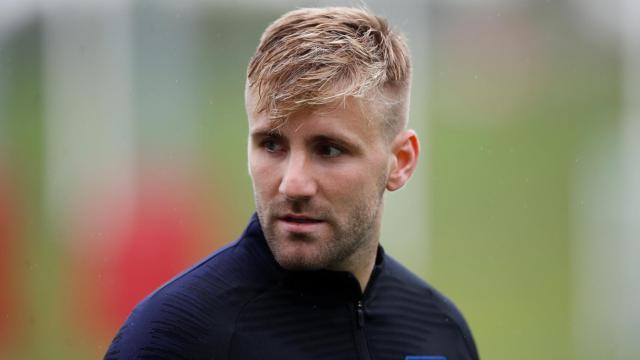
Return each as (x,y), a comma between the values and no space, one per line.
(298,265)
(291,259)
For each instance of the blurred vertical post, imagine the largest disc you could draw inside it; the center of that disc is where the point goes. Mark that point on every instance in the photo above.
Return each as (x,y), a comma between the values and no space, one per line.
(88,107)
(629,312)
(88,163)
(606,251)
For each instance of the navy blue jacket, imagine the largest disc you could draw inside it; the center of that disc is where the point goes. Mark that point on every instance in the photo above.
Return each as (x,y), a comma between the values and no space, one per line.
(240,304)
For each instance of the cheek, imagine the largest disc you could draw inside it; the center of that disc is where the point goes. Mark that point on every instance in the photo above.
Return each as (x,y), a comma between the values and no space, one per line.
(263,175)
(353,184)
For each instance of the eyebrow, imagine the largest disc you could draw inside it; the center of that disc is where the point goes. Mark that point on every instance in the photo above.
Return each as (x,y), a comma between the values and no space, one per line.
(265,133)
(332,138)
(337,140)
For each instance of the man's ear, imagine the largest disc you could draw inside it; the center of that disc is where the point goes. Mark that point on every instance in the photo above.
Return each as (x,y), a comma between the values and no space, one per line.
(405,149)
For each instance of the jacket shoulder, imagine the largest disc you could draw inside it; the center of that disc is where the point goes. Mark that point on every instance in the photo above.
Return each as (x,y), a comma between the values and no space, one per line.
(431,298)
(193,315)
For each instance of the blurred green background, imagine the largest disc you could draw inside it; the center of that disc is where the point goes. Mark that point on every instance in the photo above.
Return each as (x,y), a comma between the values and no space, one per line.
(122,161)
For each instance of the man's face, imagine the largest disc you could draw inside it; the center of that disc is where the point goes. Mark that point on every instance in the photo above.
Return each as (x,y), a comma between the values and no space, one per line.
(318,181)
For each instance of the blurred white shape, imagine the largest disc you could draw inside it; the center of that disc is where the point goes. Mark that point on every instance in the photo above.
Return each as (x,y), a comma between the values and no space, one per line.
(629,312)
(606,249)
(89,159)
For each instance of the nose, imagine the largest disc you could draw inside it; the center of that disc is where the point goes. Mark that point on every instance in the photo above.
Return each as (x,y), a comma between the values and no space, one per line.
(297,180)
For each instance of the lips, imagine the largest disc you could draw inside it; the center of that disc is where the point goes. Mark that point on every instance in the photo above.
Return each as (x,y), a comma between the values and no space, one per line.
(299,223)
(300,219)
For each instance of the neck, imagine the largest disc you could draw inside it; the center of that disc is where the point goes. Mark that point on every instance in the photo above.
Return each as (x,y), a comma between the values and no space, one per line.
(361,264)
(364,273)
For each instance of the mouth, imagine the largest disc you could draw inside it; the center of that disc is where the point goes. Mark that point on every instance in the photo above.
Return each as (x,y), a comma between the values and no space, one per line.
(299,223)
(300,219)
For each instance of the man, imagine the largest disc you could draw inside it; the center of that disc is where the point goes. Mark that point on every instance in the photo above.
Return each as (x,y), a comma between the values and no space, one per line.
(327,97)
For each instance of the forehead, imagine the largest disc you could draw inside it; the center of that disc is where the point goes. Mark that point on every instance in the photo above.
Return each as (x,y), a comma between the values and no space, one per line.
(349,118)
(347,112)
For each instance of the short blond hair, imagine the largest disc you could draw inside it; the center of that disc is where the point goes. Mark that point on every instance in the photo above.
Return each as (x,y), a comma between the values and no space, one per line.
(320,56)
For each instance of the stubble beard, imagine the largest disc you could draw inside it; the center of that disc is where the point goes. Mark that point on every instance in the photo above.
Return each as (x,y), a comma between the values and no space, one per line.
(356,232)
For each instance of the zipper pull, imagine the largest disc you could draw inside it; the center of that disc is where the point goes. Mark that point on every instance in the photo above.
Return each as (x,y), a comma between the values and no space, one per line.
(360,311)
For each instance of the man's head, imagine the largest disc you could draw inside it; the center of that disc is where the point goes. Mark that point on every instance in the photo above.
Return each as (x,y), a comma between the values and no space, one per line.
(327,96)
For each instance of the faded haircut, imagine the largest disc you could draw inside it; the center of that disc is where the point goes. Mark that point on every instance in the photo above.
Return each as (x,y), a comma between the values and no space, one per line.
(315,57)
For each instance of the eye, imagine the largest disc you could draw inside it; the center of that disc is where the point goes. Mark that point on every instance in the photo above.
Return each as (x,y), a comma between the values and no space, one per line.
(272,146)
(329,150)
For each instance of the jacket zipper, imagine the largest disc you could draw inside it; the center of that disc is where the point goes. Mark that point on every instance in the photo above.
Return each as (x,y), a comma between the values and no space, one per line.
(360,314)
(359,336)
